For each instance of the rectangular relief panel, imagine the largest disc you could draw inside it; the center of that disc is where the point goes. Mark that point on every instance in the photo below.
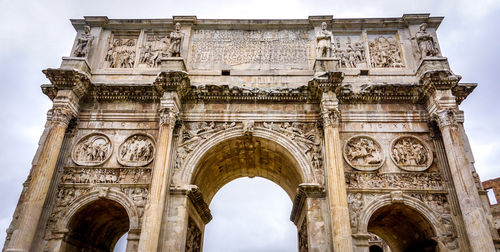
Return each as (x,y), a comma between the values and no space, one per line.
(251,49)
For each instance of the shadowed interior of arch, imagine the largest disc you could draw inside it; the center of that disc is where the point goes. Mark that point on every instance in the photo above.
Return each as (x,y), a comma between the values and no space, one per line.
(403,228)
(96,227)
(246,157)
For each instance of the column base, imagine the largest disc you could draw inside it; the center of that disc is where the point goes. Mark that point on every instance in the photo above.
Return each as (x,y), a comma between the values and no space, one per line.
(173,64)
(322,65)
(77,63)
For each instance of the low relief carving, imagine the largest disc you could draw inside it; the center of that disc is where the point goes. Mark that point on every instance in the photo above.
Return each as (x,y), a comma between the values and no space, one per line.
(174,50)
(363,153)
(92,150)
(83,43)
(136,150)
(324,39)
(303,243)
(193,237)
(414,180)
(121,53)
(106,175)
(308,137)
(155,47)
(426,44)
(350,54)
(356,204)
(250,48)
(410,154)
(193,134)
(138,195)
(385,52)
(439,203)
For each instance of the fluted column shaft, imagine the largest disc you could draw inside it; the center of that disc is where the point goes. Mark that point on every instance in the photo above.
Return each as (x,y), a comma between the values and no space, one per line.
(337,194)
(477,229)
(41,176)
(153,213)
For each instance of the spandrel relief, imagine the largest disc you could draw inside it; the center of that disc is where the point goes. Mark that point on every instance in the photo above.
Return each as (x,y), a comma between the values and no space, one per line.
(153,49)
(385,52)
(350,50)
(136,150)
(121,52)
(92,150)
(410,154)
(363,153)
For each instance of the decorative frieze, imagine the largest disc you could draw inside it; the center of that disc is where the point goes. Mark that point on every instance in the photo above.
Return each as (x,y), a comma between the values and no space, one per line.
(411,154)
(92,150)
(79,175)
(404,181)
(363,153)
(136,150)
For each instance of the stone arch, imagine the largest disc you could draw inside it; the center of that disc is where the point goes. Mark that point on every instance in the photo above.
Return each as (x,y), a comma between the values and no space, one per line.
(96,194)
(290,150)
(425,217)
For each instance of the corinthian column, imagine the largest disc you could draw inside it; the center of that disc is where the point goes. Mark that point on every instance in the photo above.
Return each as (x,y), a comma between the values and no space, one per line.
(474,217)
(337,194)
(150,233)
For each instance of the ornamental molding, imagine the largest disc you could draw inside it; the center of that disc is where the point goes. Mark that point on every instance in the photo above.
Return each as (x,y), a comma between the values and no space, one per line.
(92,150)
(66,79)
(304,191)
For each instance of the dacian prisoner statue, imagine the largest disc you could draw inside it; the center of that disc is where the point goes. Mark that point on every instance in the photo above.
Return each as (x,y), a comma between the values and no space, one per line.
(358,122)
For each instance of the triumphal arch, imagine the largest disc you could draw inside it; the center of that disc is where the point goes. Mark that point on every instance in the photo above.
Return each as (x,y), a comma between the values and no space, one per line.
(357,120)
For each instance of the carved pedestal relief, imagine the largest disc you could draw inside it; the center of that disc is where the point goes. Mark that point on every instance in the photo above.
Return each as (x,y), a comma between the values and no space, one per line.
(303,243)
(121,52)
(92,150)
(136,150)
(385,52)
(410,154)
(363,153)
(193,237)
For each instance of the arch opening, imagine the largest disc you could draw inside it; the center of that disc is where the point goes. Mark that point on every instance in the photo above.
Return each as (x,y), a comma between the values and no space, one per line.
(246,157)
(96,227)
(403,228)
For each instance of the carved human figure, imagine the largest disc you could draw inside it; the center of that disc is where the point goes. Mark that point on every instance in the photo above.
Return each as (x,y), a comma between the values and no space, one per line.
(363,153)
(83,43)
(426,43)
(92,150)
(324,39)
(410,154)
(175,41)
(355,203)
(137,150)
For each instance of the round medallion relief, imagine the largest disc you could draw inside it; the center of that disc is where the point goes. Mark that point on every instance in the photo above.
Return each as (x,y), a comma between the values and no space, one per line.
(136,150)
(411,154)
(363,153)
(91,150)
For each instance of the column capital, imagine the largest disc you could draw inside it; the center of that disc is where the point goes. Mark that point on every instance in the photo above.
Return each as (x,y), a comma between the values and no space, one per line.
(445,117)
(60,116)
(168,117)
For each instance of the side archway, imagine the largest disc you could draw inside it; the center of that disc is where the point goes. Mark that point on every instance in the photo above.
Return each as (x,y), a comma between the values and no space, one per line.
(96,220)
(405,223)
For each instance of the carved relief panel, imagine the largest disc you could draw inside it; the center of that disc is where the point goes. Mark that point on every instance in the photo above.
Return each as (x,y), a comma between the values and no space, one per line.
(303,243)
(411,154)
(385,51)
(250,49)
(351,51)
(92,150)
(363,153)
(193,237)
(154,47)
(136,150)
(121,52)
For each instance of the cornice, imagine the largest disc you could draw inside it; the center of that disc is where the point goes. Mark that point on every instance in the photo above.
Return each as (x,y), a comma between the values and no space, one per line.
(66,79)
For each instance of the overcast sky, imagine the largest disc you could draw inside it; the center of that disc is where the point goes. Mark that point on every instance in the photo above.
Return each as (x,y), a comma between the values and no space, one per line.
(34,35)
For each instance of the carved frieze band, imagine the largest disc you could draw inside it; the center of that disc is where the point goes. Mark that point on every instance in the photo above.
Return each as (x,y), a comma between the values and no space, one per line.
(406,181)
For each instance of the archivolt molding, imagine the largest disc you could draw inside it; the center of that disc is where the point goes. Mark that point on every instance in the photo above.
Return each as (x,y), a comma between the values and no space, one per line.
(193,158)
(94,195)
(411,202)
